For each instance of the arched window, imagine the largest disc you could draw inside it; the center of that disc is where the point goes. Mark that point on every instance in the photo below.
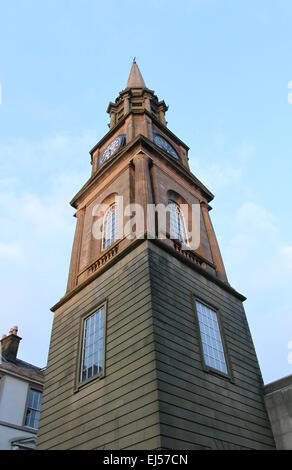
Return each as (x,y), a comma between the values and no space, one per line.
(177,225)
(110,226)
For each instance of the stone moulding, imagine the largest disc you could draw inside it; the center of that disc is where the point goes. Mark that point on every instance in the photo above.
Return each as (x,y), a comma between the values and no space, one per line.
(192,256)
(123,252)
(102,260)
(112,252)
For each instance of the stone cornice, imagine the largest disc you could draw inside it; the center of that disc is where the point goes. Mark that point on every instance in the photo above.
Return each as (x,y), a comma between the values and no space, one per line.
(198,268)
(132,245)
(110,133)
(165,129)
(87,281)
(142,140)
(156,121)
(180,168)
(100,171)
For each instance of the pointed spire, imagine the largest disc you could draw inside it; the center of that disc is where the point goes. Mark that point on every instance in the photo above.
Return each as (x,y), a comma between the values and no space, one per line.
(135,79)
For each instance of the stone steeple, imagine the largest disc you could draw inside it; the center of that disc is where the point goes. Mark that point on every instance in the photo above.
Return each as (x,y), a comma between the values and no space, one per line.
(136,98)
(150,346)
(135,79)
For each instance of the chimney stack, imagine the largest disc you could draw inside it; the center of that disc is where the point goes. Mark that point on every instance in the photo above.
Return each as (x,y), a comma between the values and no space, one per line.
(10,344)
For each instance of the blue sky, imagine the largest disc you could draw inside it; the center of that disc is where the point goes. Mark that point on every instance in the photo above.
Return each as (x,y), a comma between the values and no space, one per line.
(223,67)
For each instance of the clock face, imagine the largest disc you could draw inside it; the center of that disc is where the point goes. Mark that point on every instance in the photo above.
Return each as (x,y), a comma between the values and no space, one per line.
(164,145)
(112,148)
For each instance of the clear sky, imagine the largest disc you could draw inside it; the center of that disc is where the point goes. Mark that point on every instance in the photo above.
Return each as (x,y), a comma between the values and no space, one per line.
(222,66)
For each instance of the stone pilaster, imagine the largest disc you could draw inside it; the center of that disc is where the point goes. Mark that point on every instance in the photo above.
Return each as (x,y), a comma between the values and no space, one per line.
(113,119)
(216,255)
(75,256)
(126,103)
(149,132)
(143,187)
(130,129)
(95,161)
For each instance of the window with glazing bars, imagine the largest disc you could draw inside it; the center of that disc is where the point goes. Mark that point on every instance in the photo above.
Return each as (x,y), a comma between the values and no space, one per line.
(177,226)
(110,226)
(93,342)
(33,408)
(211,338)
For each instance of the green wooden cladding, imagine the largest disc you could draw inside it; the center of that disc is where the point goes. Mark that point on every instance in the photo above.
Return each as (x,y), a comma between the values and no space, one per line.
(155,392)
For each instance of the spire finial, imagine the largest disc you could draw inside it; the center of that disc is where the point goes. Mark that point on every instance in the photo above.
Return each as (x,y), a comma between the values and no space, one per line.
(135,79)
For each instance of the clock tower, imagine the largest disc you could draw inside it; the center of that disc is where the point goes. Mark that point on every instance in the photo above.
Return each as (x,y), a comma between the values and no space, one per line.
(150,346)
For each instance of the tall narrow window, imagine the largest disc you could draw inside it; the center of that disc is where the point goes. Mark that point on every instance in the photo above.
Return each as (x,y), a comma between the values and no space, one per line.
(211,338)
(177,225)
(93,342)
(33,408)
(110,226)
